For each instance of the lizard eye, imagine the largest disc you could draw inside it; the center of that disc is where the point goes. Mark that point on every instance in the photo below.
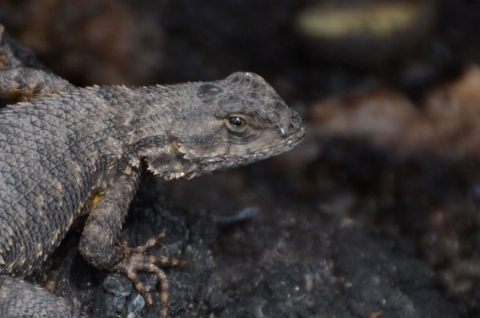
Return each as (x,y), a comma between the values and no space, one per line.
(236,121)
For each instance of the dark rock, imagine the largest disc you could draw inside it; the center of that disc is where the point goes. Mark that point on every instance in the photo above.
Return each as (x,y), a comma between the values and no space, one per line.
(117,285)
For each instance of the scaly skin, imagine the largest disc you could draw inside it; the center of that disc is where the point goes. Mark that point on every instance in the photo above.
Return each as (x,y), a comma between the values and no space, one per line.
(84,150)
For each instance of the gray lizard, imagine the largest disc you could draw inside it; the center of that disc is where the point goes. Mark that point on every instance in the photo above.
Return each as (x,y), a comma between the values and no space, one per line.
(68,151)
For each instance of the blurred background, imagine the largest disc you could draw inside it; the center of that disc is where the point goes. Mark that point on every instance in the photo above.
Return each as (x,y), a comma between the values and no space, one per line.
(389,90)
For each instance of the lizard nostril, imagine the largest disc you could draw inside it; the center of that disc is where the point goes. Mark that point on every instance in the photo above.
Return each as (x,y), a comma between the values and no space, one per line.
(293,128)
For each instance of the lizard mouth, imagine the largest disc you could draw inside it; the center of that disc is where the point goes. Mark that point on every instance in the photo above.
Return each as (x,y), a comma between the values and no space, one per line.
(224,162)
(297,136)
(287,143)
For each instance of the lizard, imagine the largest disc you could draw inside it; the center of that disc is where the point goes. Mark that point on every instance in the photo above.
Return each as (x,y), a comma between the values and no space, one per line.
(67,151)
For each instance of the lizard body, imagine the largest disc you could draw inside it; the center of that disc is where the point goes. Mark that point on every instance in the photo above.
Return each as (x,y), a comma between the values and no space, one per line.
(83,150)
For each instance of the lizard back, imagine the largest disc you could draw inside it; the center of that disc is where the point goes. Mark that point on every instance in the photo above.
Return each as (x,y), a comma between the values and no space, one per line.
(53,152)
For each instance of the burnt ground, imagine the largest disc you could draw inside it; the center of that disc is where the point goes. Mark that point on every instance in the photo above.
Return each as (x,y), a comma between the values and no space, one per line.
(375,214)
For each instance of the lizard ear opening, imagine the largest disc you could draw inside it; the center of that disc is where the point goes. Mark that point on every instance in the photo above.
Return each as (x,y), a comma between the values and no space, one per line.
(207,92)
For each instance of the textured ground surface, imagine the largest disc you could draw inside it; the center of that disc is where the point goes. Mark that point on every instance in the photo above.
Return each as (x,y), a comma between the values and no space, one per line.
(283,263)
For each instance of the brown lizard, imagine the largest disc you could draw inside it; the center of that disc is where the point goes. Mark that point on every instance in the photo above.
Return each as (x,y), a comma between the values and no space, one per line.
(69,151)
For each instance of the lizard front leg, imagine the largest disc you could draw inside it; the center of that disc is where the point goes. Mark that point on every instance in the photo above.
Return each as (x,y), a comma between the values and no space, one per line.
(99,242)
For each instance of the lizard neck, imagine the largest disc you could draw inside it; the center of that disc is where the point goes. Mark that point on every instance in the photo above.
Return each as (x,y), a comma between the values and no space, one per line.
(151,129)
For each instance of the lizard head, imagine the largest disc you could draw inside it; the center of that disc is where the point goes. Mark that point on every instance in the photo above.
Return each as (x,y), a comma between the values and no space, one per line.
(229,123)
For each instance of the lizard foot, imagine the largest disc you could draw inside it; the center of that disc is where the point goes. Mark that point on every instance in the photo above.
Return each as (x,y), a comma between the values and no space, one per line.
(137,261)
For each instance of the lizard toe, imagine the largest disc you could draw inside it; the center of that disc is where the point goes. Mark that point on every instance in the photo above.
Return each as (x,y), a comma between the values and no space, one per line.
(136,260)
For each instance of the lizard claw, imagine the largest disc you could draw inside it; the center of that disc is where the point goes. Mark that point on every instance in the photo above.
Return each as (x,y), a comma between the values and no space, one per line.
(136,260)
